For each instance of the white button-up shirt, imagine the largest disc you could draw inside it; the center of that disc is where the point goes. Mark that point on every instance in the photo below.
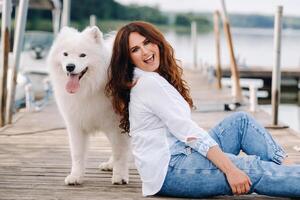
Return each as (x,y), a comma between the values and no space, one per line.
(159,116)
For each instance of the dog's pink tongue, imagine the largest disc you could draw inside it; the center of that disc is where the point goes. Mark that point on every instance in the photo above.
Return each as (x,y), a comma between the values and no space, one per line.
(73,83)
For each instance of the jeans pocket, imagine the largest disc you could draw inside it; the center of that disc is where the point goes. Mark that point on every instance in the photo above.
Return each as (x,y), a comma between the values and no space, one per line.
(176,160)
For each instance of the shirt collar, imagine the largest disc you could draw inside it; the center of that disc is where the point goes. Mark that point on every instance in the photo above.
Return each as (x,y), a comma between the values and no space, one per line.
(137,73)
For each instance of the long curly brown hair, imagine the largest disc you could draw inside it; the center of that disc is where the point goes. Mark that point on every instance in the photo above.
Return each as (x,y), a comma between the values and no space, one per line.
(120,71)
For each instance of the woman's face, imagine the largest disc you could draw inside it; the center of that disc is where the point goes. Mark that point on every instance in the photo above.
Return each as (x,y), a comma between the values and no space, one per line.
(143,53)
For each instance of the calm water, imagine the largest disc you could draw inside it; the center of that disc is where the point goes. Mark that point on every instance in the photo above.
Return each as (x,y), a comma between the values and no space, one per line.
(288,114)
(252,47)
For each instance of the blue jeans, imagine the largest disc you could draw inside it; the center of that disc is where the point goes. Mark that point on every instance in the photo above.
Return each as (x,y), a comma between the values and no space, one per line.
(192,175)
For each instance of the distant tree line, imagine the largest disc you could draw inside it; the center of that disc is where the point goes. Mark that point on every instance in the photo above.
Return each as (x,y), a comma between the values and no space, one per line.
(186,19)
(263,21)
(112,10)
(105,10)
(109,9)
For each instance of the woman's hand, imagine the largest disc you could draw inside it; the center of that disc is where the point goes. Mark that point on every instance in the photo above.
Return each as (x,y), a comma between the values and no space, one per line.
(238,180)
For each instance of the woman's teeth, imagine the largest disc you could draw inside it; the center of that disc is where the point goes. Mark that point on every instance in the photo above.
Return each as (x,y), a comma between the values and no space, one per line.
(149,59)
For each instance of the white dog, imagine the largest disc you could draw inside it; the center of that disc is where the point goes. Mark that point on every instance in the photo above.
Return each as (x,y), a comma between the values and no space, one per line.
(78,63)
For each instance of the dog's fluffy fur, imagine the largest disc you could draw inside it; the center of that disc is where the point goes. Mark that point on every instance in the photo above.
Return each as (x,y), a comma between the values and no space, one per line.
(82,102)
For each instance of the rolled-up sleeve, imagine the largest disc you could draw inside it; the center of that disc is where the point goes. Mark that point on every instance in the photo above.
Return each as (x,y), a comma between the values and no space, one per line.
(166,103)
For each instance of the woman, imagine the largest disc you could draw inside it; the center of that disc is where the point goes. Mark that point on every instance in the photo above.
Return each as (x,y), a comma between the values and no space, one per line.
(174,156)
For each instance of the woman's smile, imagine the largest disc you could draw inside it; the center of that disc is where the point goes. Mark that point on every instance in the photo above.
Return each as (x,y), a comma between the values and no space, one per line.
(150,59)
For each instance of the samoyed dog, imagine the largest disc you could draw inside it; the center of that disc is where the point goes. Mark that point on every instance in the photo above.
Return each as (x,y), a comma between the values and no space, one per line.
(78,63)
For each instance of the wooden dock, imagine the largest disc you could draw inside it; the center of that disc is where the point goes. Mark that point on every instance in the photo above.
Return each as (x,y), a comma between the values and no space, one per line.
(35,157)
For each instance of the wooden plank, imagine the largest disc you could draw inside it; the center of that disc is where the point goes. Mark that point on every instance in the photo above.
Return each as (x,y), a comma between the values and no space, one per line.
(38,4)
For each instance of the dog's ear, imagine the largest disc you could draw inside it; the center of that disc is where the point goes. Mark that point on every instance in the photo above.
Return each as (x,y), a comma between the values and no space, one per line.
(94,32)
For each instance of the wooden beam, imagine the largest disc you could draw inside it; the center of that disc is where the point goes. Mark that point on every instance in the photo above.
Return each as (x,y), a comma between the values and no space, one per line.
(218,51)
(5,41)
(194,43)
(38,4)
(235,77)
(66,13)
(19,37)
(276,75)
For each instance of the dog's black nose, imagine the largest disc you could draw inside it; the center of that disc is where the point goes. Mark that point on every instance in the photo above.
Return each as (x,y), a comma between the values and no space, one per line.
(70,67)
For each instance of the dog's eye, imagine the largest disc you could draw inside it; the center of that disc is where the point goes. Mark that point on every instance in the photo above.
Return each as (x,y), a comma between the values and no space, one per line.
(65,54)
(82,55)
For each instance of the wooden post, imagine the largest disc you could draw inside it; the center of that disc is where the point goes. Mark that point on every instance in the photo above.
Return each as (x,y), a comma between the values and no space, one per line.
(18,43)
(93,20)
(235,76)
(66,13)
(218,52)
(276,76)
(56,17)
(56,13)
(5,47)
(194,42)
(253,97)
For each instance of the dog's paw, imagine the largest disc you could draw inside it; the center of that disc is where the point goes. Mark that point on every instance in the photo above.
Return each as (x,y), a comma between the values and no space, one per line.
(106,166)
(119,180)
(73,180)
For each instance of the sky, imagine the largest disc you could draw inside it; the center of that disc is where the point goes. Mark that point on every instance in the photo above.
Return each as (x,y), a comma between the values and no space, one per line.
(265,7)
